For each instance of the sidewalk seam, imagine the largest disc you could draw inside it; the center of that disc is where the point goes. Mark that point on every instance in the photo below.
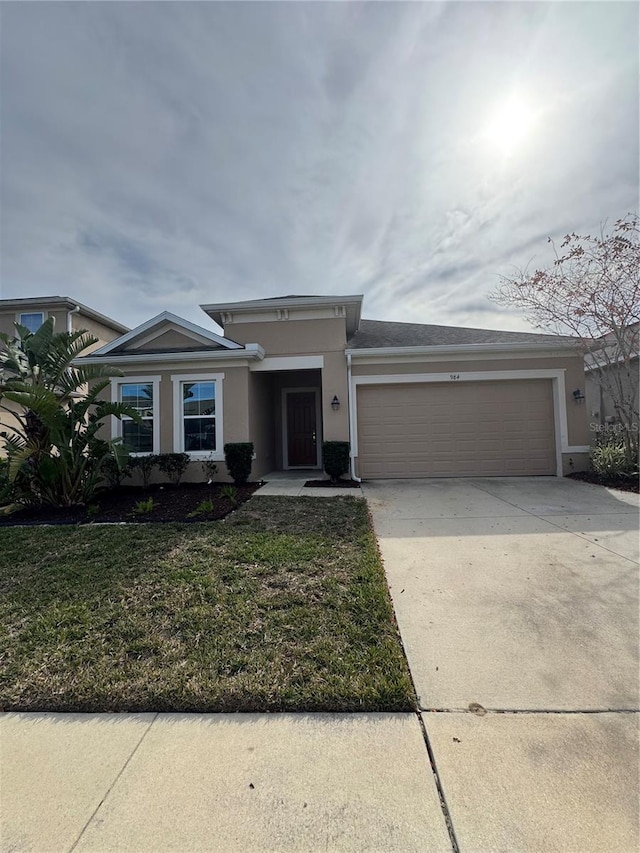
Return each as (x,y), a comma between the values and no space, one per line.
(443,800)
(112,785)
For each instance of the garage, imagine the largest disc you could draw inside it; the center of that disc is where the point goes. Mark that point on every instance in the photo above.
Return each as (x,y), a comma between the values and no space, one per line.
(456,429)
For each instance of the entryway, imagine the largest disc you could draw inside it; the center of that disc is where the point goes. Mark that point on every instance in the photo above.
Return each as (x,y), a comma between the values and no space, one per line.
(301,444)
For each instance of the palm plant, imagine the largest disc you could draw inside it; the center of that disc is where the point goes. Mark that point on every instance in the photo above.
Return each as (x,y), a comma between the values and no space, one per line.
(55,454)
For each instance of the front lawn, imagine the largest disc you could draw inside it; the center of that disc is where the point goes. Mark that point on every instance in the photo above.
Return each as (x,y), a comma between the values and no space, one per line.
(283,606)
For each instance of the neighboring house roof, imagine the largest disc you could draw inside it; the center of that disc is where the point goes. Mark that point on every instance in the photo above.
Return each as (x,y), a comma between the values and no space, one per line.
(62,303)
(375,334)
(204,340)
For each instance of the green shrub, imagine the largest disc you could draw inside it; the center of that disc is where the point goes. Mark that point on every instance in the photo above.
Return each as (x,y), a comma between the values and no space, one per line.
(115,469)
(335,458)
(145,464)
(209,469)
(144,507)
(609,458)
(6,487)
(230,493)
(238,457)
(173,465)
(203,508)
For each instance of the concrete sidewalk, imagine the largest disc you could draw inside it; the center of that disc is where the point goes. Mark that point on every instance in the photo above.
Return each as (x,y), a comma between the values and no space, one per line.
(235,782)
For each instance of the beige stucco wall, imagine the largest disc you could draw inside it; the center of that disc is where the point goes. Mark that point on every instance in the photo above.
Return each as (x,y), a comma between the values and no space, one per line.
(292,337)
(262,422)
(105,334)
(171,339)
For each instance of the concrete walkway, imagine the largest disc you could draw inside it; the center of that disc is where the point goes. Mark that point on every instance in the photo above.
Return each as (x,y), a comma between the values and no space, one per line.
(518,599)
(292,484)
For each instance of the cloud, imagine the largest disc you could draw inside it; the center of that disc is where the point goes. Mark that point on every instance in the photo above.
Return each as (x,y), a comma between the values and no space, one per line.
(158,155)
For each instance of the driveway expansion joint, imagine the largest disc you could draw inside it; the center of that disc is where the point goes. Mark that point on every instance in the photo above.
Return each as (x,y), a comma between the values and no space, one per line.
(436,776)
(113,784)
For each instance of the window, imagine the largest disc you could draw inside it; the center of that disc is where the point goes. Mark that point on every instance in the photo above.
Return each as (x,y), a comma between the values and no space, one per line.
(142,394)
(32,321)
(197,401)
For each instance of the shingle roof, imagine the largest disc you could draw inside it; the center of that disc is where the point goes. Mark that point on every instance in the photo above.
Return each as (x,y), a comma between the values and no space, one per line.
(379,333)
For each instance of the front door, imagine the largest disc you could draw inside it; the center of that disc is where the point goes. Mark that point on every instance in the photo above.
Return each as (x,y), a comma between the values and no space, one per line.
(302,448)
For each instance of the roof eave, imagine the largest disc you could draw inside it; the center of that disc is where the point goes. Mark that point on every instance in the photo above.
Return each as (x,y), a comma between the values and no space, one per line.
(454,349)
(250,352)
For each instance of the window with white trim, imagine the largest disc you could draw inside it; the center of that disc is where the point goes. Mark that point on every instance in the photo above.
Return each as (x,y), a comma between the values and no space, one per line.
(197,402)
(32,320)
(141,396)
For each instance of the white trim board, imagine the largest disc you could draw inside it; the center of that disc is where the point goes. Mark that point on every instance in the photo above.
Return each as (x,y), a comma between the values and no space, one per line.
(251,352)
(288,362)
(557,378)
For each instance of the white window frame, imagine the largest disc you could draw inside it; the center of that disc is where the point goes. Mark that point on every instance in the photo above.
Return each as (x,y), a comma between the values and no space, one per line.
(178,414)
(116,423)
(22,314)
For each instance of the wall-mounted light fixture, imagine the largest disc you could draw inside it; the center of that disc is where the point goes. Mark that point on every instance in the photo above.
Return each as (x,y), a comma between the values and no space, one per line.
(578,396)
(335,403)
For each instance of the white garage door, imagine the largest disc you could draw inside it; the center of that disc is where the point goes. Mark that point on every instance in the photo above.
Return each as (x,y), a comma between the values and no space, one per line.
(457,429)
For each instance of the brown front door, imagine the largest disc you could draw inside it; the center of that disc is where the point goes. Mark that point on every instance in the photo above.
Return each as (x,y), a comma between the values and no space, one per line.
(301,429)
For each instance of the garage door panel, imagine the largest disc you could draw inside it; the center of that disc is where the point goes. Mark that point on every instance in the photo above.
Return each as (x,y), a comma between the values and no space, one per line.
(456,429)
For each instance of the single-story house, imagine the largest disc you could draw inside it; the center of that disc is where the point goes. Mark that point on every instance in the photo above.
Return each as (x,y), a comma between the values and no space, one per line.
(412,400)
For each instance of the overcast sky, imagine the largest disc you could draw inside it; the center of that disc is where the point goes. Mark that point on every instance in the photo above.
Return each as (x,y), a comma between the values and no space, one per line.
(159,155)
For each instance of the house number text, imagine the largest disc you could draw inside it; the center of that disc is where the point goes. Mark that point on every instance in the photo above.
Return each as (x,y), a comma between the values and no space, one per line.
(454,376)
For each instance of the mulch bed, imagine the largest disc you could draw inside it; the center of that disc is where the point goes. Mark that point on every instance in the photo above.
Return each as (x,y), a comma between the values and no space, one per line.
(625,484)
(339,484)
(170,503)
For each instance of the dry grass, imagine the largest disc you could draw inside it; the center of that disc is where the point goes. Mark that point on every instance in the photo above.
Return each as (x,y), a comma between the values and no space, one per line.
(283,606)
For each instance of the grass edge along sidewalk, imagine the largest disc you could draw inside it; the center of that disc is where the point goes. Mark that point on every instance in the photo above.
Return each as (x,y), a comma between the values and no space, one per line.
(282,607)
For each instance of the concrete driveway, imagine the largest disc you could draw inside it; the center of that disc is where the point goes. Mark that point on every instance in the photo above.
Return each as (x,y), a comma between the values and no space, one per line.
(519,598)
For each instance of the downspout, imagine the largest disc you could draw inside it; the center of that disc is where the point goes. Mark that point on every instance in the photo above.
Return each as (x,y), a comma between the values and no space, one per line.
(69,321)
(352,403)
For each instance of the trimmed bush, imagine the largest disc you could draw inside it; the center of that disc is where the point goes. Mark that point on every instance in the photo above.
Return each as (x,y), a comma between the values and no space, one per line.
(173,465)
(238,457)
(335,458)
(115,470)
(144,464)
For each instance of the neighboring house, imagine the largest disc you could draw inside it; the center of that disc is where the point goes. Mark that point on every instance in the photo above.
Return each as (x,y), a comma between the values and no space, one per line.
(69,315)
(607,369)
(412,400)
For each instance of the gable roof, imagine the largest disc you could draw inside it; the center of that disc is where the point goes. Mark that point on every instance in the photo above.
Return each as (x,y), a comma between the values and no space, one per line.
(378,334)
(203,338)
